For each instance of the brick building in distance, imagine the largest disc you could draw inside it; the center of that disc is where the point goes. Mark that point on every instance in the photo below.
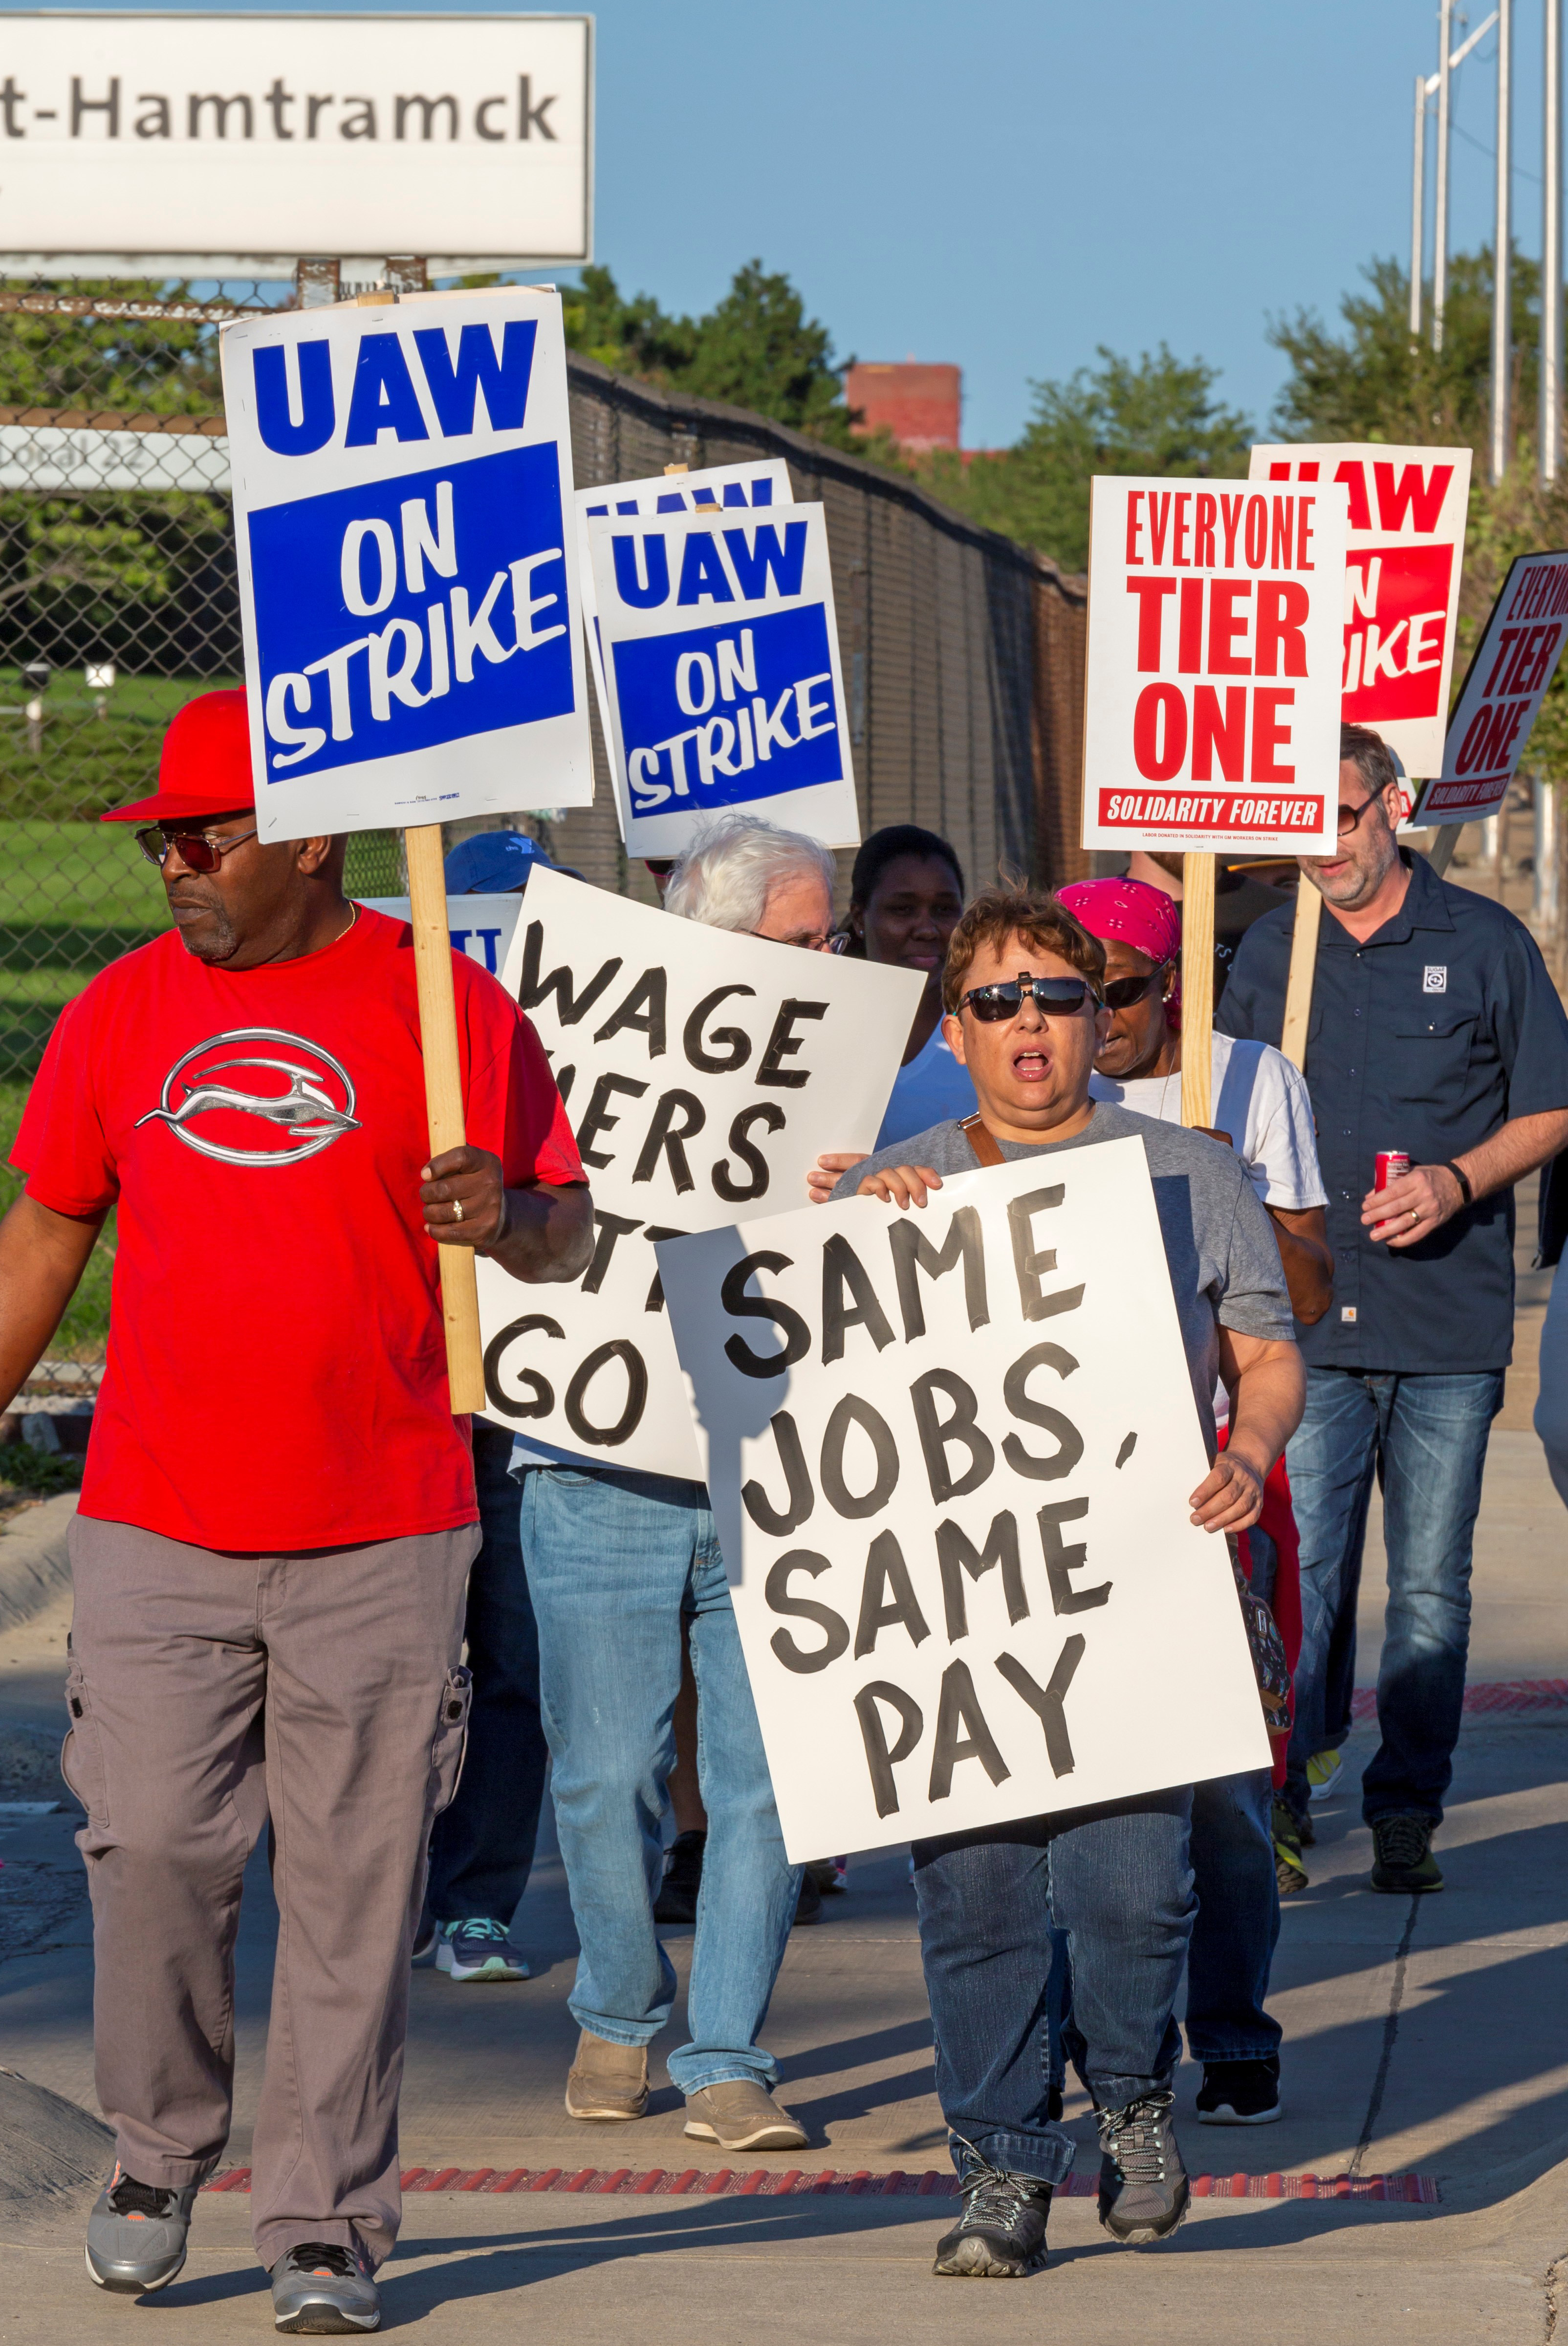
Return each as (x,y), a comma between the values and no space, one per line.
(919,405)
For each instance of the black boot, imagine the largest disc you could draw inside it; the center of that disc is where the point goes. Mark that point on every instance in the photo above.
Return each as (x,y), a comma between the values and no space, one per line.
(1001,2235)
(676,1901)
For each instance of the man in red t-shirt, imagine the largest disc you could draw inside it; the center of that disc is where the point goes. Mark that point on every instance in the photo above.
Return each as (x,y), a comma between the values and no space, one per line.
(277,1513)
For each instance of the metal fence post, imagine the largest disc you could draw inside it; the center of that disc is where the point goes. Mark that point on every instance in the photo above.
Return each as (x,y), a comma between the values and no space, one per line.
(1546,902)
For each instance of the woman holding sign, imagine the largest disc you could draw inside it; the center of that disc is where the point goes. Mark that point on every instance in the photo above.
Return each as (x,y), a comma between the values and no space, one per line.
(1024,995)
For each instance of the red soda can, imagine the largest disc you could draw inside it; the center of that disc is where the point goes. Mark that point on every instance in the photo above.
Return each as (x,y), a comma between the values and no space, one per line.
(1388,1165)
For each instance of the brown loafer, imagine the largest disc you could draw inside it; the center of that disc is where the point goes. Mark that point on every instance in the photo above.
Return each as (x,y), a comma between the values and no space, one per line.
(607,2081)
(741,2115)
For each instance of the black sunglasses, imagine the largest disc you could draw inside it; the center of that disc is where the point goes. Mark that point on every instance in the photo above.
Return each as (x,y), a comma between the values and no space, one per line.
(1053,997)
(198,850)
(1123,991)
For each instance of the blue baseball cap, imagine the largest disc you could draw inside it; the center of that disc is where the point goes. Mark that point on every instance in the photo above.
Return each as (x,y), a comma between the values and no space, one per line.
(494,864)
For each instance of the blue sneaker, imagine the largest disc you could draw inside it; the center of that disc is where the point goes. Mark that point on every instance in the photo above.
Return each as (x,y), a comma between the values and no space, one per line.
(479,1949)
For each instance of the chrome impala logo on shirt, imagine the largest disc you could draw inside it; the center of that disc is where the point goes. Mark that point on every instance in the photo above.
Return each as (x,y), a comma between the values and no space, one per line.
(305,1109)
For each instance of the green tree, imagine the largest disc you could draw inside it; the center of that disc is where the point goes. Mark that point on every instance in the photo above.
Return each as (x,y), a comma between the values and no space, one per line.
(1156,416)
(756,348)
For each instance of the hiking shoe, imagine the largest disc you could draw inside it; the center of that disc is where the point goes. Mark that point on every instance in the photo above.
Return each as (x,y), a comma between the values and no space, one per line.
(1144,2189)
(479,1949)
(1323,1774)
(135,2233)
(322,2291)
(1403,1859)
(809,1906)
(1239,2093)
(607,2081)
(741,2115)
(1289,1866)
(1001,2235)
(677,1900)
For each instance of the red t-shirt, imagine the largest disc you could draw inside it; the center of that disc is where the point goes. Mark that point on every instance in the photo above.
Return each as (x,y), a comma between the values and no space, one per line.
(276,1371)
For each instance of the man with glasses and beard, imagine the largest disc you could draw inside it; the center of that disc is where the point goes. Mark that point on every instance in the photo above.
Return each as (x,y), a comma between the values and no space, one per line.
(277,1513)
(1435,1033)
(1022,987)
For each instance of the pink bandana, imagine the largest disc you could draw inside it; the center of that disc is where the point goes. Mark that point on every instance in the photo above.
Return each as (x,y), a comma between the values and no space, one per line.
(1143,917)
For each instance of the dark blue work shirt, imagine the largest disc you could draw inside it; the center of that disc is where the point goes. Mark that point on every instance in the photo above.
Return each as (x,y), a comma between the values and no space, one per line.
(1428,1037)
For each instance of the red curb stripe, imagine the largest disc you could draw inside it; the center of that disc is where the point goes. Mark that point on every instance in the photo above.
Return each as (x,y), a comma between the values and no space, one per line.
(1409,2189)
(1504,1697)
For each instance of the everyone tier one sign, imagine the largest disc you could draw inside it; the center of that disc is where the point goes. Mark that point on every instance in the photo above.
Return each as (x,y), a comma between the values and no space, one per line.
(182,145)
(1212,715)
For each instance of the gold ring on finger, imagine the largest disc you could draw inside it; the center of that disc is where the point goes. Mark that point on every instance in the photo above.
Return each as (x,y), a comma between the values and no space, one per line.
(457,1209)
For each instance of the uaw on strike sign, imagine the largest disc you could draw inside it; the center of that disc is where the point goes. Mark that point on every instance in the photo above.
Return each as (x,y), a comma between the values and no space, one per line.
(950,1453)
(1402,564)
(402,500)
(1501,697)
(1212,715)
(720,659)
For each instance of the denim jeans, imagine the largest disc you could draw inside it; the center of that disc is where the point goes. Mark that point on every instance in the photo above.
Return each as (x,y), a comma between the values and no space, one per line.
(1237,1925)
(483,1846)
(615,1560)
(1425,1438)
(1116,1880)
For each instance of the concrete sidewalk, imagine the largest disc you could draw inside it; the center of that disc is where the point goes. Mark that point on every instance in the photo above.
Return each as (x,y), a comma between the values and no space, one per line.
(1427,2036)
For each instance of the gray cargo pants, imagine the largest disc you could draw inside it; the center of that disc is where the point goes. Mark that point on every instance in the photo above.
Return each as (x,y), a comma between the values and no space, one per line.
(206,1693)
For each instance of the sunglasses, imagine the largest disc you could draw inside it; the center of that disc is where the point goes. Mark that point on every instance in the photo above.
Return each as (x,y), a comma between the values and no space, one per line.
(1053,997)
(198,850)
(1123,991)
(1351,816)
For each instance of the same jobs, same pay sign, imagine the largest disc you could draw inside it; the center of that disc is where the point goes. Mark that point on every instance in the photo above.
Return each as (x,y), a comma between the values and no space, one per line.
(402,500)
(1214,652)
(950,1453)
(704,1072)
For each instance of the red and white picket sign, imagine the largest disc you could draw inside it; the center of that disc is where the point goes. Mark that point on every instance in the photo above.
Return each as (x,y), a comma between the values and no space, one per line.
(1212,702)
(1501,697)
(1406,552)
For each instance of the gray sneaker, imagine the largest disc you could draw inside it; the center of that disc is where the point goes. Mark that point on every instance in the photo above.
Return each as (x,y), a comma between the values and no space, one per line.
(1144,2188)
(135,2234)
(320,2291)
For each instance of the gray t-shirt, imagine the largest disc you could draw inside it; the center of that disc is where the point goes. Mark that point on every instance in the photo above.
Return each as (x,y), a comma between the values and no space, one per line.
(1219,1244)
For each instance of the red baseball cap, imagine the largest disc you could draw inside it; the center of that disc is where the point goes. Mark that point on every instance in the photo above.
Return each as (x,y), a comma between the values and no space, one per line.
(205,769)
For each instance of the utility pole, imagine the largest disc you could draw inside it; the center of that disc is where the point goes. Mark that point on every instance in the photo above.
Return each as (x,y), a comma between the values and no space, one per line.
(1551,253)
(1440,237)
(1503,248)
(1418,208)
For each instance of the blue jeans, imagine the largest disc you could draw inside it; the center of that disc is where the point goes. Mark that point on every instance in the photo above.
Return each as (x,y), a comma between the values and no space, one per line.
(615,1560)
(1425,1438)
(1116,1880)
(482,1849)
(1237,1925)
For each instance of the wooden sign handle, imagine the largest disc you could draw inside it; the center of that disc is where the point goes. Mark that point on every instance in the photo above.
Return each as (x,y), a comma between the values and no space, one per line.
(1303,968)
(1440,853)
(1196,989)
(443,1101)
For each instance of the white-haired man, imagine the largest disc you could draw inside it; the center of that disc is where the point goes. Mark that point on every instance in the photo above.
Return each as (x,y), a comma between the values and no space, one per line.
(617,1560)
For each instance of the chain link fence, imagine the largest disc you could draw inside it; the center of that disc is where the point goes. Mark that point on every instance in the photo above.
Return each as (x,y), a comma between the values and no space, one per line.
(963,653)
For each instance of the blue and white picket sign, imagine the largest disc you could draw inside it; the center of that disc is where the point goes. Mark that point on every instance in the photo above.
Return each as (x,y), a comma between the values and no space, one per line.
(765,482)
(480,926)
(721,664)
(403,494)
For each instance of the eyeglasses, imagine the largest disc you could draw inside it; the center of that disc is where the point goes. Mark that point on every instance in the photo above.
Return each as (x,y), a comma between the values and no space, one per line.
(1351,816)
(1053,997)
(808,940)
(1123,991)
(198,850)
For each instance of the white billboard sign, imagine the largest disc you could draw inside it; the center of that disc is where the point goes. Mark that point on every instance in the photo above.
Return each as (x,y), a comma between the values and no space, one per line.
(950,1453)
(1212,706)
(704,1074)
(1501,697)
(188,143)
(402,508)
(1403,564)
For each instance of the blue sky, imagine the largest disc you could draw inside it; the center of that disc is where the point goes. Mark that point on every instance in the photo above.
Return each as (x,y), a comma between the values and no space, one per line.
(1009,183)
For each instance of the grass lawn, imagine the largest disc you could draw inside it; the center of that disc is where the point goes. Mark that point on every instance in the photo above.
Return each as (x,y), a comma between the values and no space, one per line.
(85,1325)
